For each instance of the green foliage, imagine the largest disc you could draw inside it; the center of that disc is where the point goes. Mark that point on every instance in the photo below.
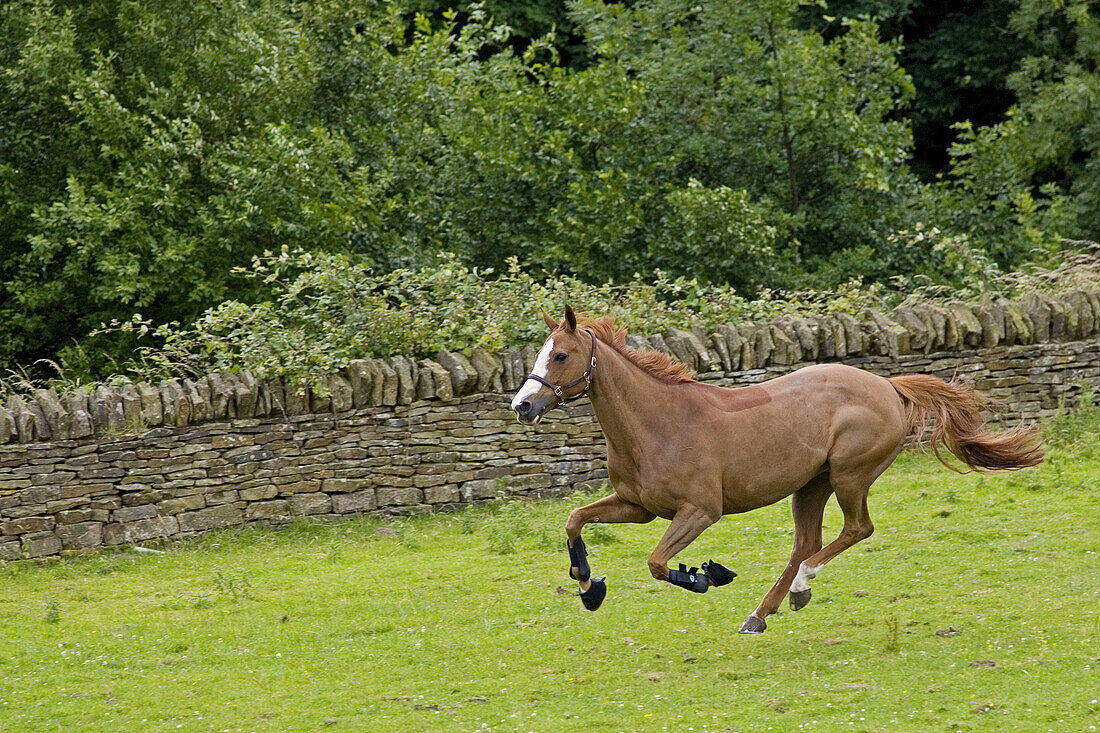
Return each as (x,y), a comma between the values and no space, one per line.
(150,151)
(148,148)
(1075,430)
(327,310)
(1035,174)
(959,55)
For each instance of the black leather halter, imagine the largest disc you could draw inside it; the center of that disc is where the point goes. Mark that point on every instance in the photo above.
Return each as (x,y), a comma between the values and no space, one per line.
(586,378)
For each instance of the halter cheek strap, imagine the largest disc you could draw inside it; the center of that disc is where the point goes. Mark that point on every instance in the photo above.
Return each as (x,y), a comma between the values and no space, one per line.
(559,389)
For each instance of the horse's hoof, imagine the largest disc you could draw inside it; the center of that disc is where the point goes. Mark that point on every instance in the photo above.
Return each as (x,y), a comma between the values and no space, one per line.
(753,625)
(593,597)
(718,574)
(799,599)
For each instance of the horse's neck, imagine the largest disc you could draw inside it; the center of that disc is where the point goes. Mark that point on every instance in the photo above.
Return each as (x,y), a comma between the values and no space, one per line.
(630,404)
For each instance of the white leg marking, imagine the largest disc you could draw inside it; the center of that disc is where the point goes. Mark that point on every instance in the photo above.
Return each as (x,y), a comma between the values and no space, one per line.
(805,574)
(542,365)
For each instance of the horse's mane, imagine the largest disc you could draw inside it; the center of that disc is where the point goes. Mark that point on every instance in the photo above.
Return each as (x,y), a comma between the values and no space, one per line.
(661,366)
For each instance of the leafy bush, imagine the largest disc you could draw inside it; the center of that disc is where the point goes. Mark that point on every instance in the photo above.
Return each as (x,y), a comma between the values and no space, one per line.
(328,310)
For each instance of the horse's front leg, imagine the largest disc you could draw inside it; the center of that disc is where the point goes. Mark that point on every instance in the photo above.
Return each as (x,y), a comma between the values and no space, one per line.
(689,523)
(608,510)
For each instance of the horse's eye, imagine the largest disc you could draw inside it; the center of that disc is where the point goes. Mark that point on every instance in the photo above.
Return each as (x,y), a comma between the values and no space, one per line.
(561,356)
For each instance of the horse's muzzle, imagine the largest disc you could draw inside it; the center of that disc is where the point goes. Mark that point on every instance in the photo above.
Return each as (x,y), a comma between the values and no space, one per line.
(530,411)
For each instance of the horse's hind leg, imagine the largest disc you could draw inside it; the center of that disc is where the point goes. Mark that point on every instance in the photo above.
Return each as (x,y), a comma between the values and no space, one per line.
(851,480)
(807,508)
(688,523)
(857,527)
(609,510)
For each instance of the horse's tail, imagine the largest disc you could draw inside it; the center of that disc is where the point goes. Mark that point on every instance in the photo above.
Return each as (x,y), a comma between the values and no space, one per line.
(961,428)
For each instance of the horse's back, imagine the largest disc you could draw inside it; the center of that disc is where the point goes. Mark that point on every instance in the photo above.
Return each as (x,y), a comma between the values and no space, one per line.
(861,407)
(823,388)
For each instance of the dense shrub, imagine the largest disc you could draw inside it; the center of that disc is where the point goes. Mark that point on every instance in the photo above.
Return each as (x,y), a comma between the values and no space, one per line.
(328,310)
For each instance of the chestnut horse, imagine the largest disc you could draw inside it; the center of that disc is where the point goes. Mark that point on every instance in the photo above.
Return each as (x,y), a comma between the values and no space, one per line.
(691,452)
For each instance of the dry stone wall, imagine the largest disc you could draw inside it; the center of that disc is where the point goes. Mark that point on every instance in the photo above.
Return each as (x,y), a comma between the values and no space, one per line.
(140,462)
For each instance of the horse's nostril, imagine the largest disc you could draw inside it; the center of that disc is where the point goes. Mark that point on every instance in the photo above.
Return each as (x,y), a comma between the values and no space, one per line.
(523,407)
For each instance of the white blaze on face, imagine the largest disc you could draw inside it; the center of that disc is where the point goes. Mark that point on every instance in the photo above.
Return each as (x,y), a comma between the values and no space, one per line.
(542,367)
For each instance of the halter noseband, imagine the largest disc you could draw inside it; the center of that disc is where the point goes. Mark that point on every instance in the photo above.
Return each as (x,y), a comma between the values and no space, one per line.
(586,378)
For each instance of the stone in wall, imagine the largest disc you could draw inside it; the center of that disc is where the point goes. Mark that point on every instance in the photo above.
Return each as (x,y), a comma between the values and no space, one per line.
(636,342)
(131,404)
(360,377)
(937,326)
(341,398)
(1078,302)
(806,334)
(463,374)
(176,404)
(785,349)
(433,381)
(885,336)
(488,370)
(199,392)
(246,394)
(1018,326)
(830,338)
(688,348)
(718,346)
(406,373)
(854,341)
(218,395)
(657,343)
(763,344)
(992,319)
(1038,310)
(55,414)
(388,380)
(512,374)
(298,400)
(529,352)
(150,408)
(77,405)
(7,426)
(919,339)
(967,323)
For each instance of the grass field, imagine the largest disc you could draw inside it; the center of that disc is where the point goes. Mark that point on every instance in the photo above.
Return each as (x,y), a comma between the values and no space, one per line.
(973,607)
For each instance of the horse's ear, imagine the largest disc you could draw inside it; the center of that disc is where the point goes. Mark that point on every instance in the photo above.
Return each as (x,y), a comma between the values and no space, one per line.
(550,322)
(570,318)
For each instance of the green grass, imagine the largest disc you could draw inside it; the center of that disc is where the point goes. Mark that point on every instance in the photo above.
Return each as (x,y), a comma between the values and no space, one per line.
(973,607)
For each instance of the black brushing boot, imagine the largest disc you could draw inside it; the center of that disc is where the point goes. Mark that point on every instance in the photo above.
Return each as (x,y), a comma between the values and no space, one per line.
(597,590)
(691,579)
(578,558)
(718,574)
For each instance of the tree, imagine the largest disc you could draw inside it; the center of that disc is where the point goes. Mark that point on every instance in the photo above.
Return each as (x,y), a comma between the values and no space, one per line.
(148,148)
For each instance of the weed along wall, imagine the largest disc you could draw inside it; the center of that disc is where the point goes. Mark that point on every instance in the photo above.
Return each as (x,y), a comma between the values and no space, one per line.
(140,462)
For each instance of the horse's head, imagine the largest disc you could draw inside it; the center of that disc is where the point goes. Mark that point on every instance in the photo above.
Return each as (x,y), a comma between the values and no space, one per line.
(563,369)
